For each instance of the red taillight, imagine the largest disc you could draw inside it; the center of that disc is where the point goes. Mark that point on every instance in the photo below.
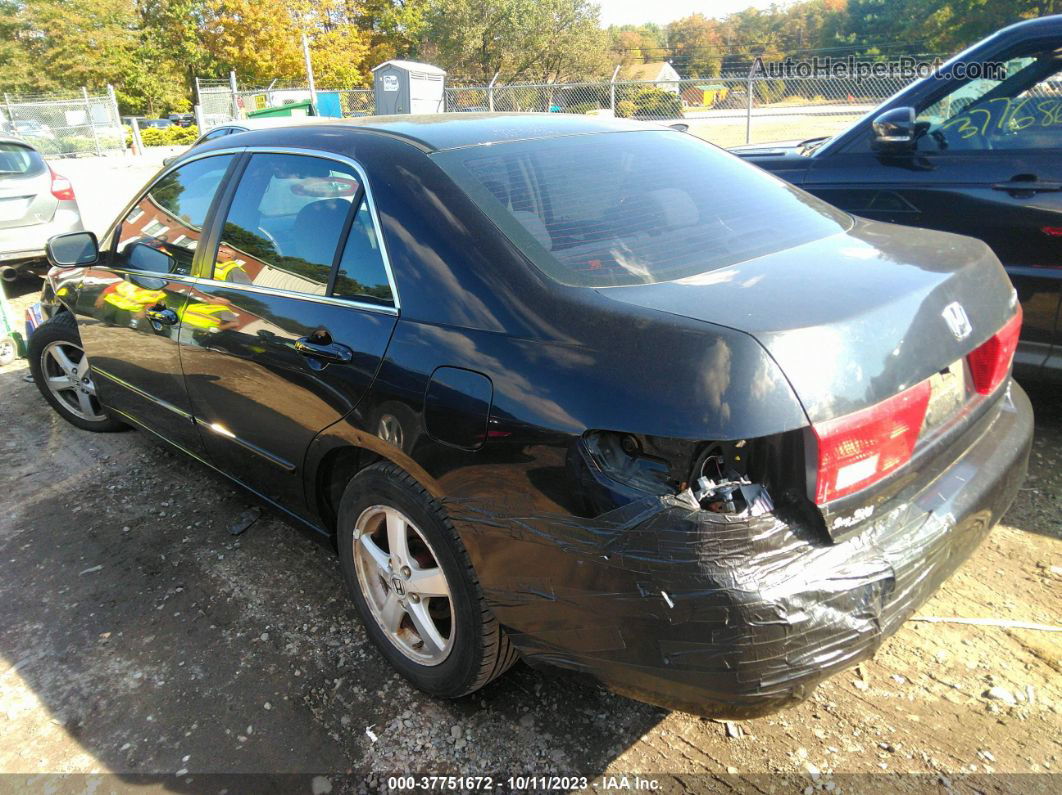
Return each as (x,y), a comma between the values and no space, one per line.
(61,188)
(990,363)
(859,449)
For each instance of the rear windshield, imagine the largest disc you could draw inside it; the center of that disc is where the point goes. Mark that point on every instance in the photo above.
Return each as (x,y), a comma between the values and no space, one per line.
(20,161)
(635,207)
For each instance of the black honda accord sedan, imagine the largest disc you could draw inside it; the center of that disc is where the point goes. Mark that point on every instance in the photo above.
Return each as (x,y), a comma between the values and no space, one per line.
(593,393)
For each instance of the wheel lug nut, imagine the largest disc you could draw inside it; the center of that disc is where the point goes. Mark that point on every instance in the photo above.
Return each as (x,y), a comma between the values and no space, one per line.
(407,572)
(414,598)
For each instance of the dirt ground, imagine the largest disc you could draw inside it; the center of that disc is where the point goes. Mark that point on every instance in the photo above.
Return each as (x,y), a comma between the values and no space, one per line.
(138,636)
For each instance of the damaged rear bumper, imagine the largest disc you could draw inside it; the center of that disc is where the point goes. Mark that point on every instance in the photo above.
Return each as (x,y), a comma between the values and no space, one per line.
(684,609)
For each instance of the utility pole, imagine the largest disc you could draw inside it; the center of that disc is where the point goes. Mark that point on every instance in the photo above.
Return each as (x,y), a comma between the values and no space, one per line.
(309,70)
(235,95)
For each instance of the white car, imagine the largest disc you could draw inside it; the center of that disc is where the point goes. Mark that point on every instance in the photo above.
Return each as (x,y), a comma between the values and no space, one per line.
(35,203)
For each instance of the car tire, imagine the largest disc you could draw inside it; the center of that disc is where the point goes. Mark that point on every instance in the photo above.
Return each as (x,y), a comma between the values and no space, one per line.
(55,352)
(468,648)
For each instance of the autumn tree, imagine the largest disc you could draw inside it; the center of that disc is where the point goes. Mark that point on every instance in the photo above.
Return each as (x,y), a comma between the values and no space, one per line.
(632,44)
(697,45)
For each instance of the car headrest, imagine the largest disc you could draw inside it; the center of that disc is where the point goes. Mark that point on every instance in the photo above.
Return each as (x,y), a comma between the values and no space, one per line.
(317,229)
(673,207)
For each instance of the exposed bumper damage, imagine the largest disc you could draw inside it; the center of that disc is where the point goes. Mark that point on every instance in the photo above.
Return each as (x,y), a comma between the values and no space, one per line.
(697,611)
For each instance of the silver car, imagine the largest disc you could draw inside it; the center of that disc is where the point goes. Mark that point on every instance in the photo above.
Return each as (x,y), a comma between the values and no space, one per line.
(35,203)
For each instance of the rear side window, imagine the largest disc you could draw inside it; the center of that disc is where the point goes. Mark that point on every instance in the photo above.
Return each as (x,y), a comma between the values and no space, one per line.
(635,207)
(361,274)
(285,225)
(213,135)
(20,161)
(161,232)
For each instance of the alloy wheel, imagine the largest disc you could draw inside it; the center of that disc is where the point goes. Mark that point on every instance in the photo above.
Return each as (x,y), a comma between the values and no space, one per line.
(69,378)
(404,585)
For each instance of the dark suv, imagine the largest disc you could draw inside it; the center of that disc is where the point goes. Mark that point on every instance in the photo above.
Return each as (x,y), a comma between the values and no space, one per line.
(548,390)
(970,151)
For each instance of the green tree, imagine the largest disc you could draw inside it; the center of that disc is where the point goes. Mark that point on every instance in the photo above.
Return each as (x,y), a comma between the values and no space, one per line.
(942,26)
(522,40)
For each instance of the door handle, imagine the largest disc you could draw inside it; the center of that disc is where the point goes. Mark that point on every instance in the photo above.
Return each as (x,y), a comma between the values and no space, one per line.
(160,314)
(1027,186)
(333,352)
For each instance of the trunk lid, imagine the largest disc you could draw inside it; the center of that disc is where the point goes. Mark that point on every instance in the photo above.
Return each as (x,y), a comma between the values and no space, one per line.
(25,187)
(853,318)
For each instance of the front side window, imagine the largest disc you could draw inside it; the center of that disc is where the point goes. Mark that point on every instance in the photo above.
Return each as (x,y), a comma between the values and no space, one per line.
(160,232)
(635,207)
(1018,108)
(284,227)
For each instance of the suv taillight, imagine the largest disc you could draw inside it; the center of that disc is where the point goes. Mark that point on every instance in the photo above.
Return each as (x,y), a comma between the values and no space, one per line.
(859,449)
(61,187)
(990,362)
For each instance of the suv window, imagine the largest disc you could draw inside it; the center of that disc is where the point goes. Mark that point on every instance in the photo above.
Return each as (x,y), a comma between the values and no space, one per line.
(1019,108)
(161,231)
(284,226)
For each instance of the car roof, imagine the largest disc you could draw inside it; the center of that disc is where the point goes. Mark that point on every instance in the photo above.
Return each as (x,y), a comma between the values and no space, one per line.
(441,131)
(269,122)
(1051,24)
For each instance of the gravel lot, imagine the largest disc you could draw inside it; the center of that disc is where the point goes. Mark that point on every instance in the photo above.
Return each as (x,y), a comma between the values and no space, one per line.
(137,636)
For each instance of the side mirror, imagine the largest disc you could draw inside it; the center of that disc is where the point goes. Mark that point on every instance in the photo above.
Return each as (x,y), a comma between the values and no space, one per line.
(895,130)
(73,249)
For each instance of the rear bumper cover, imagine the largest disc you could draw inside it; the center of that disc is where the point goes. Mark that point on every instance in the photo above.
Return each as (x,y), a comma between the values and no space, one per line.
(735,619)
(23,246)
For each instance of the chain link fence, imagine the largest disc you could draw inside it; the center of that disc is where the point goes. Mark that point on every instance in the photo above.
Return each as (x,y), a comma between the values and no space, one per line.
(223,101)
(727,111)
(69,125)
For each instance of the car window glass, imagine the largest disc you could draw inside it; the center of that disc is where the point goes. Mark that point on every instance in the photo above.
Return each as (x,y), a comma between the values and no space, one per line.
(20,161)
(161,231)
(1018,108)
(634,207)
(213,135)
(285,221)
(361,273)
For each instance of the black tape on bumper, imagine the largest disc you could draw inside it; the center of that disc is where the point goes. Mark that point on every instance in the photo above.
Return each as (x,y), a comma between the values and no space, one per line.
(687,609)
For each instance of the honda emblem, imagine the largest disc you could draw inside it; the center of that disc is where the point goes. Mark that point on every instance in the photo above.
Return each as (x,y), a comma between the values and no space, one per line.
(955,316)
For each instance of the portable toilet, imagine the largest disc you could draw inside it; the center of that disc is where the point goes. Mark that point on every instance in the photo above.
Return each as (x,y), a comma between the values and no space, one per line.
(408,87)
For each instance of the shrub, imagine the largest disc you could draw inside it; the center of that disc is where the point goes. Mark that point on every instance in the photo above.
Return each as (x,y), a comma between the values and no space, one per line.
(768,91)
(46,146)
(154,136)
(655,103)
(167,136)
(625,109)
(582,107)
(77,144)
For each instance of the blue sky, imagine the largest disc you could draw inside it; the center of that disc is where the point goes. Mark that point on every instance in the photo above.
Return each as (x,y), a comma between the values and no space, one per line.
(633,12)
